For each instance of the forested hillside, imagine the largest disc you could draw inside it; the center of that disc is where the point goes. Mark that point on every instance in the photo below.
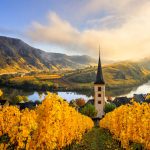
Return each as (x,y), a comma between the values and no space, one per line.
(16,55)
(115,75)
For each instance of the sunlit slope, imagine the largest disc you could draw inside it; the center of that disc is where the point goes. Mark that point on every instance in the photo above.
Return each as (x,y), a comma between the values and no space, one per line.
(16,55)
(118,74)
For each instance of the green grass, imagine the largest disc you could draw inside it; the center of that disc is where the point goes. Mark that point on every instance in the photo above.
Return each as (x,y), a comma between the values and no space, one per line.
(101,139)
(97,139)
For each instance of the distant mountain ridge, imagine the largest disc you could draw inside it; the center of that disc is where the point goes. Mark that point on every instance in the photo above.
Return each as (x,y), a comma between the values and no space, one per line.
(16,55)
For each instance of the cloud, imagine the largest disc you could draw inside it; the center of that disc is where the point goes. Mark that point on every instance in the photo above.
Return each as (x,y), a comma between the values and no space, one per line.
(56,31)
(112,6)
(129,40)
(109,21)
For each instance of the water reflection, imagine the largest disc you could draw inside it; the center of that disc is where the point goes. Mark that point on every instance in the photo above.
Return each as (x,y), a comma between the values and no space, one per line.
(118,92)
(73,95)
(143,89)
(36,96)
(66,95)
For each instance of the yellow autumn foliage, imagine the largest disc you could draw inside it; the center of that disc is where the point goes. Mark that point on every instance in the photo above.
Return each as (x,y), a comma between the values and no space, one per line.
(129,123)
(1,92)
(147,96)
(17,125)
(52,125)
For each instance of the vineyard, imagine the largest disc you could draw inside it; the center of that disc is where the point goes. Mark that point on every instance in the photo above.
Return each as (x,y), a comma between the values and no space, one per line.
(40,77)
(55,125)
(52,125)
(129,123)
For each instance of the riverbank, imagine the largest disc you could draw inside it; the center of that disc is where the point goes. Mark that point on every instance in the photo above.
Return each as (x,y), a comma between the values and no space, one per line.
(48,82)
(33,95)
(83,89)
(120,78)
(42,82)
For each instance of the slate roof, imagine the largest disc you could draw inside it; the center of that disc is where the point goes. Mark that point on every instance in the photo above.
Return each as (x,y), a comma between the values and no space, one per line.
(90,101)
(99,76)
(118,101)
(29,105)
(139,98)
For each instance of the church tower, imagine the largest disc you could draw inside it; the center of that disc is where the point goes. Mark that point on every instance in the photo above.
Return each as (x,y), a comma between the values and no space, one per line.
(99,91)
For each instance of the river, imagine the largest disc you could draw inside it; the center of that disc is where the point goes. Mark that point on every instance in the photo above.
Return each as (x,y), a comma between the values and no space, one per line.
(34,95)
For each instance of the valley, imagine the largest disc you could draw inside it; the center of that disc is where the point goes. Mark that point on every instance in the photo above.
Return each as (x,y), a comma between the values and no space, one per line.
(117,76)
(74,75)
(76,83)
(28,68)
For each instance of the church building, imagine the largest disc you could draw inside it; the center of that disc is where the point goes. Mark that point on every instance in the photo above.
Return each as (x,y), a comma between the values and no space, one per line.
(99,91)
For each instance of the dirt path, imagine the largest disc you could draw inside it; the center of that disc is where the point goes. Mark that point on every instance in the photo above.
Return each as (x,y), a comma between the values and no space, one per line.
(97,139)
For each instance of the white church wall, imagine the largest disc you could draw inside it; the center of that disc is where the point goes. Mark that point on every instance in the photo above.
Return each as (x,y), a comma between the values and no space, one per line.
(99,97)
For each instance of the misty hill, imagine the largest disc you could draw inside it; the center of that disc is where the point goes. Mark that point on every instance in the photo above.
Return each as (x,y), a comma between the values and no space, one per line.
(121,74)
(145,63)
(16,55)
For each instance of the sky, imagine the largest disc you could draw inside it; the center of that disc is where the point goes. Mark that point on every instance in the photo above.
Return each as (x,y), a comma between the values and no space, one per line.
(120,27)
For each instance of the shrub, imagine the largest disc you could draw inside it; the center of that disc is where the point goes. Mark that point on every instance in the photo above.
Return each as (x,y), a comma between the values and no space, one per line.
(109,107)
(80,102)
(73,104)
(19,99)
(89,110)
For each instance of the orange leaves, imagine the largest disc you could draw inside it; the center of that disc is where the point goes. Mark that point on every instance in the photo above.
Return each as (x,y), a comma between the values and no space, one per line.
(53,124)
(129,123)
(10,117)
(58,124)
(17,125)
(1,92)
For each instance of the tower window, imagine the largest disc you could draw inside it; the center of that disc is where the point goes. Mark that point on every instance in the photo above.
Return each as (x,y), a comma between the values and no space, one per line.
(99,95)
(99,88)
(99,102)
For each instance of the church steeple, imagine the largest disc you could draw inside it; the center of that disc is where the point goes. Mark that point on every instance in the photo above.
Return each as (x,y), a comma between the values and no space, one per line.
(99,76)
(99,91)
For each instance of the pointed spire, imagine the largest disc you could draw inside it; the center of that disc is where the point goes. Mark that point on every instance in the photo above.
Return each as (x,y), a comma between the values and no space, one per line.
(99,50)
(99,76)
